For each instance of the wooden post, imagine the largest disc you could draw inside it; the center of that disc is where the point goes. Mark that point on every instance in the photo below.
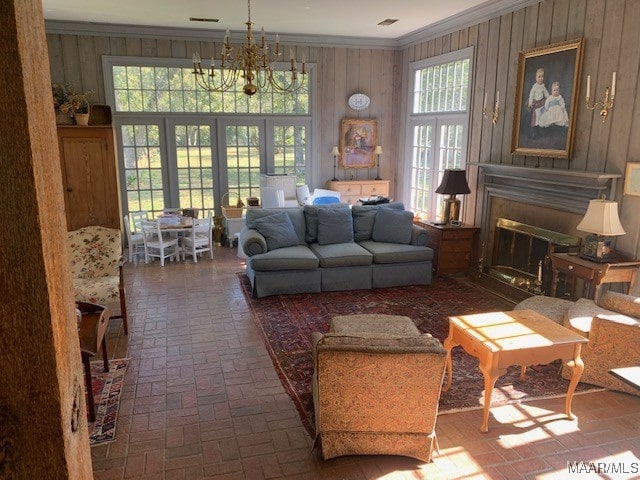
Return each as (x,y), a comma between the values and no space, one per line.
(43,426)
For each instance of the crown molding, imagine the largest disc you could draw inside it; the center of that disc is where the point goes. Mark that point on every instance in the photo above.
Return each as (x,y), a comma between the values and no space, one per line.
(479,14)
(473,16)
(58,27)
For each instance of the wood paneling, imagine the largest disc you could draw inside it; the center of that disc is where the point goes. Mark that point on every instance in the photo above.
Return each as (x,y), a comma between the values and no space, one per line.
(611,31)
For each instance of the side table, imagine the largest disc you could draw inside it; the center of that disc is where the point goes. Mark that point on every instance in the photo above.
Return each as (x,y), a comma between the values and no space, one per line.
(234,225)
(92,326)
(594,274)
(453,247)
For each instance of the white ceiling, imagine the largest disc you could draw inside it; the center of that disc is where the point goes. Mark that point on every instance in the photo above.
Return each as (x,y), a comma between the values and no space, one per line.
(309,17)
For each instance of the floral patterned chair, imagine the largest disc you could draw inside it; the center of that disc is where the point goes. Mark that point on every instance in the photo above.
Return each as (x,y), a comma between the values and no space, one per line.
(376,387)
(96,265)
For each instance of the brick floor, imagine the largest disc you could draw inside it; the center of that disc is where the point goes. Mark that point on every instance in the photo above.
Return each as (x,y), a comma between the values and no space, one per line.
(202,401)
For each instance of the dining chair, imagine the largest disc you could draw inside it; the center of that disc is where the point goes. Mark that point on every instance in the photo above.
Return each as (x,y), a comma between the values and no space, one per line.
(137,218)
(135,238)
(156,244)
(199,238)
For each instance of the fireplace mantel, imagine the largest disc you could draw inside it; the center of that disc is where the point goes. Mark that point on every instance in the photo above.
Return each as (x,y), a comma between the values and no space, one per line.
(567,190)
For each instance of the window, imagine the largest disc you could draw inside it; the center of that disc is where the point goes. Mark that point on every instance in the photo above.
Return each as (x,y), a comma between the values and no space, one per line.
(437,126)
(182,146)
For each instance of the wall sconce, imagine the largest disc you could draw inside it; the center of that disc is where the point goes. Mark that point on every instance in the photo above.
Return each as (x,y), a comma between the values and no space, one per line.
(453,183)
(607,103)
(336,153)
(496,109)
(378,152)
(601,222)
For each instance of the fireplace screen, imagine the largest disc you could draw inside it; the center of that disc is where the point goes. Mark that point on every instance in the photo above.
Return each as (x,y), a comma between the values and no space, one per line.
(521,254)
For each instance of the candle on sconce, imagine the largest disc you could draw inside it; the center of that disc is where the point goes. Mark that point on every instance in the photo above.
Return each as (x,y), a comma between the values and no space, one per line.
(613,85)
(588,87)
(484,104)
(497,99)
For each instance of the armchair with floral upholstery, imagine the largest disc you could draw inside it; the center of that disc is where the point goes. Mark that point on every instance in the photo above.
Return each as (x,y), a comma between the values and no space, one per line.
(96,265)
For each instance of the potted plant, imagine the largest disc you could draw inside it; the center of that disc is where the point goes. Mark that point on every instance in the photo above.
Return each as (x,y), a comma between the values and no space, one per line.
(70,102)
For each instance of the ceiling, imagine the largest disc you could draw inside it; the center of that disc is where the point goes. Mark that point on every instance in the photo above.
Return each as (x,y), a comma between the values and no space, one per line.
(308,17)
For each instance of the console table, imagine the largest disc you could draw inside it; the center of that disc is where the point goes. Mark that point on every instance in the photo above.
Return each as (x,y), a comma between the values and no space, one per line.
(352,190)
(453,247)
(594,274)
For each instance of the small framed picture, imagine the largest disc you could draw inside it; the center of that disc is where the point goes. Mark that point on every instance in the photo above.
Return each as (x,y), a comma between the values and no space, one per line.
(632,179)
(358,140)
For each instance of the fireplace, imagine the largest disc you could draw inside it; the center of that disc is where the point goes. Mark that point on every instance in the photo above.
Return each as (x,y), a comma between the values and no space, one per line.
(528,213)
(520,254)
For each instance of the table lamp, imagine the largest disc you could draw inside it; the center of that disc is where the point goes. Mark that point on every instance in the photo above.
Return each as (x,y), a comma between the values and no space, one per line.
(601,222)
(336,153)
(453,182)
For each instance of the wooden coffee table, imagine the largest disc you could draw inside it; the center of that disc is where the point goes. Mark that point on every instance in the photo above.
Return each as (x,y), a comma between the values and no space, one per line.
(523,337)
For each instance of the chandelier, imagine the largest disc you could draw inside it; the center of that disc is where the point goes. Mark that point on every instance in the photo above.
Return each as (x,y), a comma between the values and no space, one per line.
(254,63)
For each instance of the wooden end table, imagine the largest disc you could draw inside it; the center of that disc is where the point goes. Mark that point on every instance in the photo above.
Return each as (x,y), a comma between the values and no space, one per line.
(92,327)
(522,337)
(453,247)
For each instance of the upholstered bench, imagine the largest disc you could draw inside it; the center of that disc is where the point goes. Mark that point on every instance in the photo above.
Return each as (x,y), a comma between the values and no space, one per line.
(552,308)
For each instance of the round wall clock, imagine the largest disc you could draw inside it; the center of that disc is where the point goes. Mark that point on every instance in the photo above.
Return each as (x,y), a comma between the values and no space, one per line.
(358,101)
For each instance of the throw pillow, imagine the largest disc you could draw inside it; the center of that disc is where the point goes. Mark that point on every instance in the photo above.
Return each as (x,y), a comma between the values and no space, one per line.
(311,217)
(334,226)
(364,217)
(392,226)
(277,229)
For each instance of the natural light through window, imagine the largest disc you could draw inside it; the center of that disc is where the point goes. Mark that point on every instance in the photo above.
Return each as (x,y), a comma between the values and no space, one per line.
(438,125)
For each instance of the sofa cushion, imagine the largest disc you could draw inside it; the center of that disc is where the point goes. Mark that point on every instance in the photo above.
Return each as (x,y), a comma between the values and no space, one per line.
(311,218)
(334,226)
(364,216)
(277,229)
(396,252)
(287,258)
(620,303)
(341,255)
(392,226)
(296,215)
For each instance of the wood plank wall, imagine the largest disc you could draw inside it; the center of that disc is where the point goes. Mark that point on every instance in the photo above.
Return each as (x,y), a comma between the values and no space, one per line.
(339,72)
(611,31)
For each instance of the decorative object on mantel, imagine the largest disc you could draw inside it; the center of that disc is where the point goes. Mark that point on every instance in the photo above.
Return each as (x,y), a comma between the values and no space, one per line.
(495,114)
(601,222)
(546,100)
(453,182)
(607,103)
(253,62)
(378,152)
(632,179)
(336,153)
(68,101)
(358,139)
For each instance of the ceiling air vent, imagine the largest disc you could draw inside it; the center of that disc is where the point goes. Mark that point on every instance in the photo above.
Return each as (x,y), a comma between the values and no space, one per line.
(388,21)
(199,19)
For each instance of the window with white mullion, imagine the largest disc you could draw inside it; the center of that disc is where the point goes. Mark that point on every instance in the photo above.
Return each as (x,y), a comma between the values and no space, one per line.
(437,125)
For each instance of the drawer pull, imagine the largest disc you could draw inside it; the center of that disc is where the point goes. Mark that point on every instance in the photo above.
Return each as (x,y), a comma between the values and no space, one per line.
(570,267)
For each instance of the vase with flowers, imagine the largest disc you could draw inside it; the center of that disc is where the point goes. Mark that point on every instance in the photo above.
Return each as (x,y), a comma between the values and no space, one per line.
(69,102)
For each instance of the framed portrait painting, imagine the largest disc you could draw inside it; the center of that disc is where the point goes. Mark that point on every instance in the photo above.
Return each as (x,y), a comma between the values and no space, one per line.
(358,140)
(546,100)
(632,179)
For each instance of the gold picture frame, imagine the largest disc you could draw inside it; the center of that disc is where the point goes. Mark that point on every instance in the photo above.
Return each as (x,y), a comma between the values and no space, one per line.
(632,179)
(545,108)
(358,140)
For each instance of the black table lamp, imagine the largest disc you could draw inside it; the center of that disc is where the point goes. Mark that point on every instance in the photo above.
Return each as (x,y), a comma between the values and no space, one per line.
(453,182)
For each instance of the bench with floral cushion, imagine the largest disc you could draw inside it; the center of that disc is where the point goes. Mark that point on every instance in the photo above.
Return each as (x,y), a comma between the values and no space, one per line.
(96,265)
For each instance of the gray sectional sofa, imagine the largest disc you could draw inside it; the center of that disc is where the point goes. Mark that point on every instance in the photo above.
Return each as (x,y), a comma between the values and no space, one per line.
(334,247)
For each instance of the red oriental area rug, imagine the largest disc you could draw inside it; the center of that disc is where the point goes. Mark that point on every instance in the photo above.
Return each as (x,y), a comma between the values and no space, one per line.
(287,321)
(107,389)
